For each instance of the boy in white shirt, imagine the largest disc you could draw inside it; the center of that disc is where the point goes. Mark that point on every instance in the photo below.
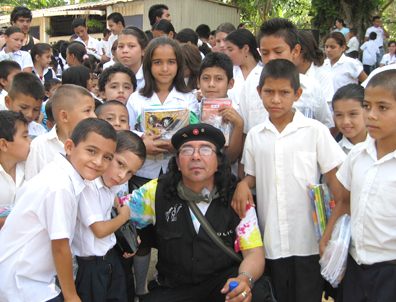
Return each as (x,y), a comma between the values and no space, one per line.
(100,275)
(368,195)
(353,44)
(370,51)
(26,95)
(81,30)
(34,241)
(14,149)
(70,105)
(7,71)
(281,157)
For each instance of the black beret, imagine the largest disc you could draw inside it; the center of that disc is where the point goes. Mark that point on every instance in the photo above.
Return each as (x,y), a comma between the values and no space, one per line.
(198,132)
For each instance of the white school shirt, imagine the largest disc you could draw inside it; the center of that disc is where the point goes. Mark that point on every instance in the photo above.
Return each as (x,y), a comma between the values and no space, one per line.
(151,168)
(43,150)
(103,45)
(3,94)
(324,79)
(36,129)
(45,210)
(23,58)
(108,64)
(253,113)
(239,80)
(386,59)
(8,186)
(95,206)
(283,164)
(45,71)
(370,51)
(346,144)
(380,35)
(345,71)
(110,43)
(92,43)
(372,184)
(353,45)
(139,78)
(376,71)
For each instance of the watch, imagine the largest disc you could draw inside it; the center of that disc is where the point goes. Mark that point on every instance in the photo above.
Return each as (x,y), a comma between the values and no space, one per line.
(250,278)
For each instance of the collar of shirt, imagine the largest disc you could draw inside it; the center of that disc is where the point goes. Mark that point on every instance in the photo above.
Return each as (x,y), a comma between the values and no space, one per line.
(54,135)
(139,74)
(311,70)
(78,182)
(346,143)
(100,184)
(173,94)
(371,149)
(19,173)
(299,121)
(4,93)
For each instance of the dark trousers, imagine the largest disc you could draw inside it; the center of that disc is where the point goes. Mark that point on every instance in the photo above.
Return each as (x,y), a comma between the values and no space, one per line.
(296,279)
(369,283)
(208,290)
(58,298)
(368,68)
(101,280)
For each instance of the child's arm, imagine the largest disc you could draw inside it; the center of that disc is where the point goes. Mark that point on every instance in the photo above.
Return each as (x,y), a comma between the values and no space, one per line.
(64,269)
(342,207)
(362,77)
(235,146)
(105,228)
(334,184)
(2,221)
(243,194)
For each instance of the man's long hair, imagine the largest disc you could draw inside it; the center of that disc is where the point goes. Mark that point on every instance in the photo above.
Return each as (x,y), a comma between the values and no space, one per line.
(224,180)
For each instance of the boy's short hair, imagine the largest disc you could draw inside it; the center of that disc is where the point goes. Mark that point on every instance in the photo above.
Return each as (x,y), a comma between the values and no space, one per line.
(217,59)
(280,28)
(351,91)
(99,126)
(20,11)
(373,36)
(28,84)
(354,31)
(66,97)
(375,18)
(106,31)
(48,111)
(155,11)
(6,67)
(78,22)
(386,79)
(8,124)
(48,84)
(281,69)
(203,31)
(102,106)
(106,75)
(129,141)
(116,17)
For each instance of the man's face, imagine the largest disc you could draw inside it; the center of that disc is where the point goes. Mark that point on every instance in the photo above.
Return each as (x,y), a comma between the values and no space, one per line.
(197,168)
(166,15)
(23,23)
(115,28)
(377,23)
(81,32)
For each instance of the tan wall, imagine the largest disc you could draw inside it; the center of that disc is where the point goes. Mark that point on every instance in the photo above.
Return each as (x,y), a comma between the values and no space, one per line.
(129,9)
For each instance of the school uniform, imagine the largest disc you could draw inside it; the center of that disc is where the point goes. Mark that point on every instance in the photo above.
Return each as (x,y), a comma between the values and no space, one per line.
(139,79)
(346,144)
(36,129)
(48,73)
(379,40)
(345,71)
(43,150)
(371,269)
(100,276)
(239,81)
(103,46)
(299,154)
(8,186)
(353,48)
(110,43)
(108,64)
(387,59)
(151,168)
(92,43)
(370,52)
(23,58)
(45,210)
(324,79)
(376,71)
(3,94)
(312,102)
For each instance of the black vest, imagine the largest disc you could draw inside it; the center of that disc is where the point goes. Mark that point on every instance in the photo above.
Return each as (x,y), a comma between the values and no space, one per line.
(28,46)
(185,257)
(47,76)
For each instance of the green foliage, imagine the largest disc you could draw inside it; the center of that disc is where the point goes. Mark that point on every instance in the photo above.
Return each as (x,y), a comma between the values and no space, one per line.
(95,23)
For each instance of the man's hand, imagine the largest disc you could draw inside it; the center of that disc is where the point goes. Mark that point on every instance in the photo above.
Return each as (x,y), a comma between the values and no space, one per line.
(240,293)
(154,145)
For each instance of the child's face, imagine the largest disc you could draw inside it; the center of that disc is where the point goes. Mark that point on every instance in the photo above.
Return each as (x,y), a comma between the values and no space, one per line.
(380,113)
(115,28)
(95,87)
(220,41)
(91,157)
(278,97)
(45,59)
(164,65)
(392,48)
(124,165)
(129,51)
(116,115)
(212,40)
(333,49)
(50,93)
(214,82)
(19,148)
(90,82)
(81,32)
(28,105)
(14,42)
(7,83)
(349,118)
(85,108)
(119,88)
(272,48)
(236,54)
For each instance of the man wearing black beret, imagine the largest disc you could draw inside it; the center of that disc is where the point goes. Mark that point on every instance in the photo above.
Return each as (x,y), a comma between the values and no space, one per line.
(191,265)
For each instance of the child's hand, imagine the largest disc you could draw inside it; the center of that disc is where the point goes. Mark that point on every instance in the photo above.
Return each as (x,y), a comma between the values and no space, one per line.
(154,145)
(322,246)
(73,299)
(242,194)
(229,114)
(127,255)
(199,95)
(124,211)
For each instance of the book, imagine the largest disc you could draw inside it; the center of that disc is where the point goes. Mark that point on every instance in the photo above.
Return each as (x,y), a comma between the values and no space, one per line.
(210,115)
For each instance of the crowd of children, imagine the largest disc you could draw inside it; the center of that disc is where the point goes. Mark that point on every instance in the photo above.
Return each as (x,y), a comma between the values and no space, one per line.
(71,146)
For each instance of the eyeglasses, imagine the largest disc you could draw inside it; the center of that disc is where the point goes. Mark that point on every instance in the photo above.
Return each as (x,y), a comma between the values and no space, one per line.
(189,151)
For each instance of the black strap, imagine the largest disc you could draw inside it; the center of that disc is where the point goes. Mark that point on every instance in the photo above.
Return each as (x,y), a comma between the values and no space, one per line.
(212,234)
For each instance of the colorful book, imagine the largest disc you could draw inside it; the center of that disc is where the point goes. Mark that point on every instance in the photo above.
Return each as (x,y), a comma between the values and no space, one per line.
(210,115)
